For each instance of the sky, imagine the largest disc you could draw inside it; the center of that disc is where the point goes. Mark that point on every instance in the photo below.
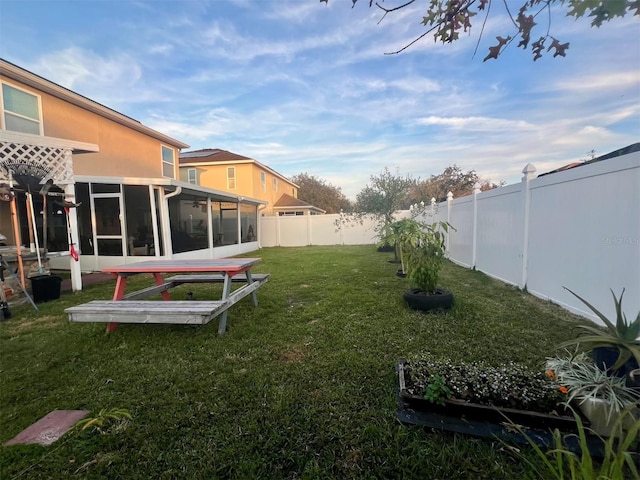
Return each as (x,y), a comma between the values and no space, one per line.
(307,87)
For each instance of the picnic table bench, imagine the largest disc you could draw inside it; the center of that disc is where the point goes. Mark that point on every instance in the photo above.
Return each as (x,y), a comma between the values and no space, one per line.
(132,308)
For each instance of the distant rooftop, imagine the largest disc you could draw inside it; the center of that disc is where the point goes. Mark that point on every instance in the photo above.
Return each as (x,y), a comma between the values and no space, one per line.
(288,201)
(209,155)
(634,147)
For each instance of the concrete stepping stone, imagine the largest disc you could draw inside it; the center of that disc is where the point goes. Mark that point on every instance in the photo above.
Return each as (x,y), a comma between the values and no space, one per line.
(49,428)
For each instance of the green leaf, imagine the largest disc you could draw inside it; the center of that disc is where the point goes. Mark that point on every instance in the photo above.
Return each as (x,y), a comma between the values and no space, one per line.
(593,309)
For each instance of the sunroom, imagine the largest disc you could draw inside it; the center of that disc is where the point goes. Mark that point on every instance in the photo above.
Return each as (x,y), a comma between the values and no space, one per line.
(123,219)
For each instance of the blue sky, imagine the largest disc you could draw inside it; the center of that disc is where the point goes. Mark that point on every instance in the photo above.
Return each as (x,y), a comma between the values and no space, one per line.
(305,87)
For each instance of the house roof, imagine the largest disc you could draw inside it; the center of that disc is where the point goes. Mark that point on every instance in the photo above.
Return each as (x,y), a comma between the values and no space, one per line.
(634,147)
(170,183)
(212,156)
(26,77)
(288,202)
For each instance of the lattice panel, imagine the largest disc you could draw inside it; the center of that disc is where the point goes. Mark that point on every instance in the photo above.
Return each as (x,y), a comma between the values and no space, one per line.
(45,162)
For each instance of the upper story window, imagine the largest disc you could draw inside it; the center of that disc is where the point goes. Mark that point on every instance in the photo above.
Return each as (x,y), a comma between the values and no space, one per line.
(168,161)
(231,178)
(275,184)
(191,176)
(21,111)
(263,181)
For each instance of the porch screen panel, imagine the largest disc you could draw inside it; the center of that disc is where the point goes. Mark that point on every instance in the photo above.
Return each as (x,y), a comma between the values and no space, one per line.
(139,220)
(216,223)
(249,223)
(108,224)
(107,216)
(229,223)
(189,223)
(85,228)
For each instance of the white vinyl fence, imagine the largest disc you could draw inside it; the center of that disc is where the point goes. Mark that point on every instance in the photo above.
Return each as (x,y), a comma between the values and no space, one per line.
(578,228)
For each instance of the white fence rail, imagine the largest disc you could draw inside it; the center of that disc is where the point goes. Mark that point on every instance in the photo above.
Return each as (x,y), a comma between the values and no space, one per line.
(579,228)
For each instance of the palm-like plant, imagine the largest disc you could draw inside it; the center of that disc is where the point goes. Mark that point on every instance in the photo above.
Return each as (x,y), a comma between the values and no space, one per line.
(622,335)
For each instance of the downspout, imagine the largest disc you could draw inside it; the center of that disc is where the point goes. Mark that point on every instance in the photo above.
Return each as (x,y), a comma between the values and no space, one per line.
(177,191)
(239,221)
(259,233)
(166,227)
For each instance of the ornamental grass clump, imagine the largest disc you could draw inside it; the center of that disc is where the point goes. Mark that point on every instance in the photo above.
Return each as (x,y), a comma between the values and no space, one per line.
(583,380)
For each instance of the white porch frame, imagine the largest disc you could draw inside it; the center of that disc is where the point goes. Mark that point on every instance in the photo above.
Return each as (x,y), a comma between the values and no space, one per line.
(55,156)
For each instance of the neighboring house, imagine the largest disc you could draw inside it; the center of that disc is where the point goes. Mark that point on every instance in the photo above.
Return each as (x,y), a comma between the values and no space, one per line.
(290,206)
(634,147)
(123,175)
(233,173)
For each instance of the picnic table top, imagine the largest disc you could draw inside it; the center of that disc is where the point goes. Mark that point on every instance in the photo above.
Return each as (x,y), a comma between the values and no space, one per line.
(185,265)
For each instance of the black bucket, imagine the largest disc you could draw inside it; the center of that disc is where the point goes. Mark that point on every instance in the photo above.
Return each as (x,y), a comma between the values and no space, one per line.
(45,287)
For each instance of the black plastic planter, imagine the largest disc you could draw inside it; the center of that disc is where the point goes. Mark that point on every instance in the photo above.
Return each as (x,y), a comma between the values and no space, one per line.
(438,299)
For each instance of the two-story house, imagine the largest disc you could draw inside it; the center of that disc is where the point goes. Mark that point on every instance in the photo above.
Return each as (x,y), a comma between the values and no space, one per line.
(119,176)
(244,176)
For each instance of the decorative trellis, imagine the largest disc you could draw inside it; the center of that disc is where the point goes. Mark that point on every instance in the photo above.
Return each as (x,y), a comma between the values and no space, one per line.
(40,162)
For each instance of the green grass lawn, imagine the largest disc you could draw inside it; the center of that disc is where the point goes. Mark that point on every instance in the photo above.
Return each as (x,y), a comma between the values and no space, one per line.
(301,387)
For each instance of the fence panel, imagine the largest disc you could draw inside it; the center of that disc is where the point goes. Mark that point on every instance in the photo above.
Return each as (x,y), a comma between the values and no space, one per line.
(585,235)
(268,232)
(461,240)
(324,230)
(294,231)
(500,233)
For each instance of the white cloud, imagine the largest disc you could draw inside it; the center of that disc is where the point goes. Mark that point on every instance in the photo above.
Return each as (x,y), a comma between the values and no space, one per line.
(76,68)
(477,123)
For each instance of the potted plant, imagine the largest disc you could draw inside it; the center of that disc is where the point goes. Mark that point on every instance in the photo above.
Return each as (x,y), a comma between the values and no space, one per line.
(389,237)
(426,251)
(602,398)
(404,234)
(616,349)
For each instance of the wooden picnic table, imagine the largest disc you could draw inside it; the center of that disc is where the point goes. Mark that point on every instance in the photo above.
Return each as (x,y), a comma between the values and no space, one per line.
(130,308)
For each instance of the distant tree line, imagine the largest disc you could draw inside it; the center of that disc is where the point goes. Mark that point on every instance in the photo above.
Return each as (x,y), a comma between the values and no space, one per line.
(321,194)
(388,192)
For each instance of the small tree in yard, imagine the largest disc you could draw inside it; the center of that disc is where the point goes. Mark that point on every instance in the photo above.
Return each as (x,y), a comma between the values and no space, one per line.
(384,195)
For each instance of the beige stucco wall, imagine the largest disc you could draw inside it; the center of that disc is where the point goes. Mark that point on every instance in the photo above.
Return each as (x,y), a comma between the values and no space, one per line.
(124,152)
(247,182)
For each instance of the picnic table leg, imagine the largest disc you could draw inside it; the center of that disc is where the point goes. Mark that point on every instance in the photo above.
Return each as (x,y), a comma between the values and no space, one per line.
(121,283)
(160,281)
(226,291)
(254,295)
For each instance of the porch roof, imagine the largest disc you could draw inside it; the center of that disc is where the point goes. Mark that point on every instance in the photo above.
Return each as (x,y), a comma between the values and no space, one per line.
(171,184)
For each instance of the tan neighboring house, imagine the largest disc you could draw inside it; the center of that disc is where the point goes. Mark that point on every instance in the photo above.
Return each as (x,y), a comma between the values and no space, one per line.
(123,176)
(244,176)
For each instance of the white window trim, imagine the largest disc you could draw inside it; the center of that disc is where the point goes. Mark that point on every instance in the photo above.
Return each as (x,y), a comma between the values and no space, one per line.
(263,181)
(2,110)
(275,184)
(193,181)
(163,163)
(235,179)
